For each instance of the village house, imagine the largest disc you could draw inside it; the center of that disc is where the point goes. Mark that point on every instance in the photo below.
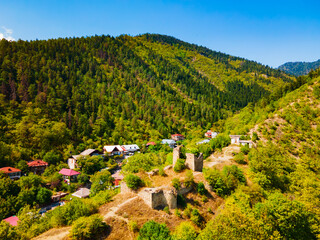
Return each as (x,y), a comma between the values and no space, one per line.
(132,148)
(118,177)
(112,150)
(248,143)
(37,166)
(12,173)
(82,193)
(170,142)
(235,139)
(177,137)
(203,141)
(69,175)
(210,134)
(151,144)
(13,220)
(72,162)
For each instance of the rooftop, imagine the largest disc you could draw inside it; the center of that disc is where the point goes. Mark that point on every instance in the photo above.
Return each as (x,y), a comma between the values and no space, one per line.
(82,193)
(9,170)
(13,220)
(68,172)
(37,163)
(87,152)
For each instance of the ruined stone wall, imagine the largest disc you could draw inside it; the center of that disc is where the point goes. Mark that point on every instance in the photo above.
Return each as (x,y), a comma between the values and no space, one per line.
(176,155)
(158,198)
(194,163)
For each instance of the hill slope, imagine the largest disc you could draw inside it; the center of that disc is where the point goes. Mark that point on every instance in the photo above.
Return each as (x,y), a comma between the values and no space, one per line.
(299,68)
(116,90)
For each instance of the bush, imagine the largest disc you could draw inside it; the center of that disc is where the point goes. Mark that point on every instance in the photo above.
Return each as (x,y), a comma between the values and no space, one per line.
(177,213)
(133,181)
(162,172)
(245,149)
(176,183)
(189,180)
(154,231)
(187,212)
(239,158)
(166,210)
(87,227)
(185,231)
(180,165)
(196,218)
(133,226)
(201,188)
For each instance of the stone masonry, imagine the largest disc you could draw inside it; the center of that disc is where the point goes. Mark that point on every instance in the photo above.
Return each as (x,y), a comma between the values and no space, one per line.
(176,155)
(194,163)
(158,198)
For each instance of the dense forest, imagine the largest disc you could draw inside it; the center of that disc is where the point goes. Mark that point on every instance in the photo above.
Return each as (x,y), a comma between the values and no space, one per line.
(56,94)
(299,68)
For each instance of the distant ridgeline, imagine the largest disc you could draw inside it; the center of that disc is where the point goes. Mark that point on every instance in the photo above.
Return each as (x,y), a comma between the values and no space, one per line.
(299,68)
(117,90)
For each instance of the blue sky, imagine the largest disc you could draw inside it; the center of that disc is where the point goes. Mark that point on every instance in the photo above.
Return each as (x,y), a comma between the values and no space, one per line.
(270,32)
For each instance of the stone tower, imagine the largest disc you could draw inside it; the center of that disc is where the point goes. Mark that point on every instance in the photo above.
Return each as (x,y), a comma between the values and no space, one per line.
(194,163)
(176,155)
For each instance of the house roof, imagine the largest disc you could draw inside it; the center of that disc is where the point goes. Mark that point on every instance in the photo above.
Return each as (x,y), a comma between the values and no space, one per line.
(151,143)
(177,135)
(82,193)
(37,163)
(68,172)
(130,147)
(168,141)
(245,141)
(9,170)
(235,136)
(117,176)
(13,220)
(204,141)
(111,148)
(87,152)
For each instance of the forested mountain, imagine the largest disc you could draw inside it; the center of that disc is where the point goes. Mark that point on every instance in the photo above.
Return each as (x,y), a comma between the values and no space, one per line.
(104,90)
(283,201)
(299,68)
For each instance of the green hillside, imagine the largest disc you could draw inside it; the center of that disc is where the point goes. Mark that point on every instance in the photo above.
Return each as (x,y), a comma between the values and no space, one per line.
(100,90)
(282,202)
(299,68)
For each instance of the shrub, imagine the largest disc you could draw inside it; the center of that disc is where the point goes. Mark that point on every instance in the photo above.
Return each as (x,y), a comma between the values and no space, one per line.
(201,188)
(154,231)
(239,158)
(196,218)
(166,210)
(204,199)
(133,226)
(162,172)
(87,227)
(187,212)
(185,231)
(176,183)
(180,165)
(133,181)
(245,149)
(189,180)
(177,213)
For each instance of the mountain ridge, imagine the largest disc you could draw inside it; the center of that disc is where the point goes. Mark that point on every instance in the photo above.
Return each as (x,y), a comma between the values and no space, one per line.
(299,68)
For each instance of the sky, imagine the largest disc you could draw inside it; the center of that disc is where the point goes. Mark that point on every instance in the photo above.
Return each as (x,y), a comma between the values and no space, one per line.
(270,32)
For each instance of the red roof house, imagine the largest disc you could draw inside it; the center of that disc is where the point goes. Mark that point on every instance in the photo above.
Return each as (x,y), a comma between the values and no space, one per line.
(13,220)
(151,143)
(12,173)
(177,137)
(118,177)
(69,174)
(37,166)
